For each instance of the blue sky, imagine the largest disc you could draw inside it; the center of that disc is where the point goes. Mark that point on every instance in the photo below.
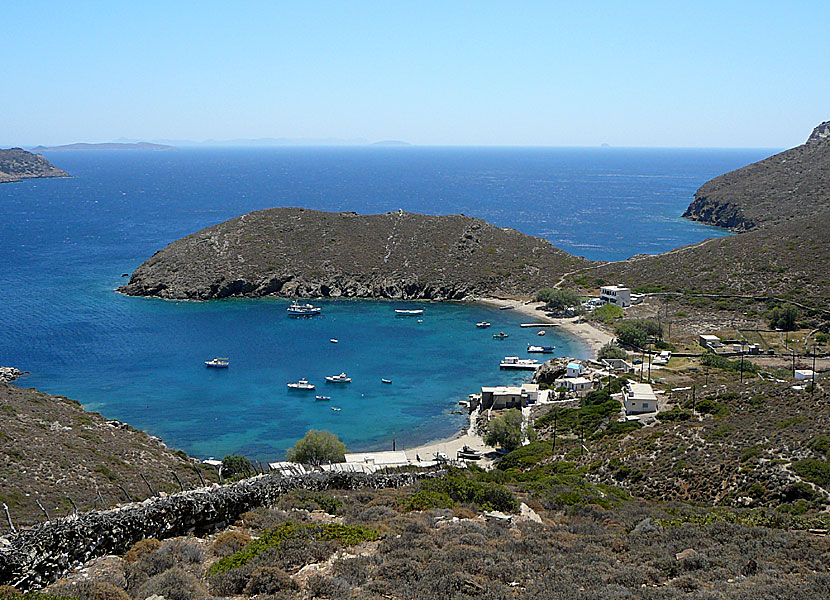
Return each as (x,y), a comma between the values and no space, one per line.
(732,74)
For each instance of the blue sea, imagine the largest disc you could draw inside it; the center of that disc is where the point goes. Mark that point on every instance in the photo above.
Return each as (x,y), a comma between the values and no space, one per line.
(64,244)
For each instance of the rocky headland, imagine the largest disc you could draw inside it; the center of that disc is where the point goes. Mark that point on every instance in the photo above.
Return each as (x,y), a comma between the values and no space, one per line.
(17,164)
(790,185)
(295,252)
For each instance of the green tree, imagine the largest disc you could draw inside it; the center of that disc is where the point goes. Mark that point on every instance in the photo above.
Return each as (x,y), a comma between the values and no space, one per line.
(784,317)
(235,466)
(611,350)
(636,332)
(506,430)
(557,299)
(607,313)
(317,447)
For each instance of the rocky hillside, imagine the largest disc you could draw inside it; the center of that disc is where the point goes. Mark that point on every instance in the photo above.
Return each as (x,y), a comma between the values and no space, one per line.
(787,259)
(52,450)
(17,164)
(294,252)
(790,185)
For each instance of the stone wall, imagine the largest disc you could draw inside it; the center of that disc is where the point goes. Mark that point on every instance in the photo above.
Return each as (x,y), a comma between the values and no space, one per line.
(35,557)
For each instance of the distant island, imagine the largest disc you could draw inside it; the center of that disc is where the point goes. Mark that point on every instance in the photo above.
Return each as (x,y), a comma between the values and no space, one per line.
(17,164)
(391,143)
(104,146)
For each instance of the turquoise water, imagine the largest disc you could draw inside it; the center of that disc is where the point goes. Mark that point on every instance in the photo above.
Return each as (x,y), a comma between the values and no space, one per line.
(65,242)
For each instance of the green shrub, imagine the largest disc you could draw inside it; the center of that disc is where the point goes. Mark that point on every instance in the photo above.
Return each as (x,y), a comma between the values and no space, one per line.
(316,448)
(229,542)
(820,445)
(637,332)
(346,535)
(607,313)
(783,317)
(557,299)
(236,466)
(525,457)
(464,490)
(611,350)
(675,414)
(506,430)
(814,471)
(428,500)
(710,359)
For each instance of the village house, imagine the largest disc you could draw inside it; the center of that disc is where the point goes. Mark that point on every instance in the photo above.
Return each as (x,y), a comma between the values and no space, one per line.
(504,396)
(614,294)
(712,342)
(574,369)
(578,385)
(639,398)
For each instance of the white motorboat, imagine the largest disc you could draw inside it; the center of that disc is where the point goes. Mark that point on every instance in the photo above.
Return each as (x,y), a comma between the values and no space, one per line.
(302,384)
(303,310)
(334,340)
(335,408)
(541,332)
(483,324)
(323,398)
(342,378)
(386,381)
(218,363)
(514,362)
(541,349)
(409,311)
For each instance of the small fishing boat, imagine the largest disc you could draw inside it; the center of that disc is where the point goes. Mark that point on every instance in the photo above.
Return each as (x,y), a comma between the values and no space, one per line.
(541,349)
(483,324)
(322,398)
(302,384)
(509,307)
(409,311)
(218,363)
(335,408)
(500,335)
(334,340)
(541,332)
(303,310)
(386,381)
(342,378)
(467,453)
(514,362)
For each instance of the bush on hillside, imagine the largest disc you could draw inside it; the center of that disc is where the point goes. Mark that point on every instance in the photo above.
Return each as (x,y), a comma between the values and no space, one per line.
(637,332)
(783,317)
(611,350)
(557,300)
(607,313)
(236,466)
(316,448)
(506,430)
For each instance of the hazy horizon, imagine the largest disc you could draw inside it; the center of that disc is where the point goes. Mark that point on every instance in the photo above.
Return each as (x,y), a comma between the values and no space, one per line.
(740,75)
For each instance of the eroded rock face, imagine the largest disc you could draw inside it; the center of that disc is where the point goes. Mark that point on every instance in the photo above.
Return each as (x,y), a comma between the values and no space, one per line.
(17,164)
(9,374)
(720,214)
(38,556)
(293,252)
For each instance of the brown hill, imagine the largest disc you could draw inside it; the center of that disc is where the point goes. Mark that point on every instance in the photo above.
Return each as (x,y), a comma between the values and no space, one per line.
(791,185)
(788,259)
(52,450)
(17,164)
(294,252)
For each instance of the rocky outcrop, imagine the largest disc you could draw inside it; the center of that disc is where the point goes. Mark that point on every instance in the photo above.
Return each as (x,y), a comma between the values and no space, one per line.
(720,214)
(791,185)
(551,370)
(38,556)
(17,164)
(9,374)
(294,252)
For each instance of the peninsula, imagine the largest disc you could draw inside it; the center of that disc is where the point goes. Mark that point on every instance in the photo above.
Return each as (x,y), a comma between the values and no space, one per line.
(17,164)
(294,252)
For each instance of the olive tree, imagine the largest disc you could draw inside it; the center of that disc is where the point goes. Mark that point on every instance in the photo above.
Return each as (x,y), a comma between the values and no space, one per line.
(316,448)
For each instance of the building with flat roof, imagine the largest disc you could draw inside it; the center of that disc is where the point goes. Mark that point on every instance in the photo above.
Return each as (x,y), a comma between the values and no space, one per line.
(574,369)
(709,341)
(614,294)
(639,398)
(579,385)
(508,396)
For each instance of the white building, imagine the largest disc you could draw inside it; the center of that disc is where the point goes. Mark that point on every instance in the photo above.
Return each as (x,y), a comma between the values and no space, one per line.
(509,396)
(804,375)
(614,294)
(579,385)
(709,341)
(639,398)
(574,369)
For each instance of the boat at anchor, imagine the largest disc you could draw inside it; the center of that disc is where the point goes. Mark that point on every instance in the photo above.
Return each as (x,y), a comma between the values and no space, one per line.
(342,378)
(302,385)
(218,363)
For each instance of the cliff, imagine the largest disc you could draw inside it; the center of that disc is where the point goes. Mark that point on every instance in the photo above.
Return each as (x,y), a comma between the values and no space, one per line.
(17,164)
(294,252)
(790,185)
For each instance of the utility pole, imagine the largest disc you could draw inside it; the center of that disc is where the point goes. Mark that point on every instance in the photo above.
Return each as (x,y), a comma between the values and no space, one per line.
(742,366)
(694,400)
(649,364)
(793,353)
(813,390)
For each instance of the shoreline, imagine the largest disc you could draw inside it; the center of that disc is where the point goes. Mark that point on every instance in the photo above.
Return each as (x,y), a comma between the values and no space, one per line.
(590,336)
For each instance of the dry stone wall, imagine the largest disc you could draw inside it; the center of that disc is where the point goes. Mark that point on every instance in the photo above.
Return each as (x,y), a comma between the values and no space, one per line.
(36,557)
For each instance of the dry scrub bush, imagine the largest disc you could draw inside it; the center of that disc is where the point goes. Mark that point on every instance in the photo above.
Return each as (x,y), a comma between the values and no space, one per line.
(333,588)
(229,542)
(268,580)
(173,584)
(89,590)
(140,548)
(8,592)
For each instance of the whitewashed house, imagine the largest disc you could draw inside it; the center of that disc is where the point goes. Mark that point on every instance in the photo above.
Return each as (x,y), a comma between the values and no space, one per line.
(578,385)
(614,294)
(574,369)
(639,398)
